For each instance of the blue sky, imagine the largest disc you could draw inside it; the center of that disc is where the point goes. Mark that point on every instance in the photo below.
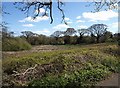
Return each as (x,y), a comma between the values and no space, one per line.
(77,15)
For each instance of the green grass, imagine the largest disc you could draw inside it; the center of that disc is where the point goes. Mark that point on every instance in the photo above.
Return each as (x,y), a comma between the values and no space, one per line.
(15,44)
(80,66)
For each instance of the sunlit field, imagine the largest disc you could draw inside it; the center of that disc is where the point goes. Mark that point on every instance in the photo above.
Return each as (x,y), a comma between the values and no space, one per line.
(61,65)
(60,44)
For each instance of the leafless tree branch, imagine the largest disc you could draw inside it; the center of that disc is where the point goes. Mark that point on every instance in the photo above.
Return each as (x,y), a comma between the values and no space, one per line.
(25,6)
(104,4)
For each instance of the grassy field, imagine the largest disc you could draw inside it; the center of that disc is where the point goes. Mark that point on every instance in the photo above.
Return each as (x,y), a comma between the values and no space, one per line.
(60,65)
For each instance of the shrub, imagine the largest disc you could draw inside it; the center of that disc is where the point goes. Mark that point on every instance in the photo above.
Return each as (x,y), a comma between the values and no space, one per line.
(15,44)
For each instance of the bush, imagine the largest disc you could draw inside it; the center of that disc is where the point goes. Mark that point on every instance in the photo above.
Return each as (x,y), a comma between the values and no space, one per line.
(15,44)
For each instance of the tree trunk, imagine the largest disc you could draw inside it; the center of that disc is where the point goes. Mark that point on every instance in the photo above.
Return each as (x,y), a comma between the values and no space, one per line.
(80,39)
(98,37)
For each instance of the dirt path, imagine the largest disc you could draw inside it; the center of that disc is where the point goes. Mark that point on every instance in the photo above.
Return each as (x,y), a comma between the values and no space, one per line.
(35,49)
(112,81)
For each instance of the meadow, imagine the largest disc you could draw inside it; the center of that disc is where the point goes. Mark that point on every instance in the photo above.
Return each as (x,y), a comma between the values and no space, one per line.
(61,66)
(79,50)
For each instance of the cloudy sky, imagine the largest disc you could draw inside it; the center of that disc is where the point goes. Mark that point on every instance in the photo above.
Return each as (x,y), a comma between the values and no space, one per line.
(77,16)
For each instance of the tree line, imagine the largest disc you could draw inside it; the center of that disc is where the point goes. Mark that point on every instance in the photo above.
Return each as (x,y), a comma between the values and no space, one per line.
(97,33)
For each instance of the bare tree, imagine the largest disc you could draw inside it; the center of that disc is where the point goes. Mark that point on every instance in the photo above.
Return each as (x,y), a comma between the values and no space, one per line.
(4,25)
(3,10)
(81,33)
(27,34)
(104,4)
(70,31)
(27,5)
(4,29)
(98,30)
(57,34)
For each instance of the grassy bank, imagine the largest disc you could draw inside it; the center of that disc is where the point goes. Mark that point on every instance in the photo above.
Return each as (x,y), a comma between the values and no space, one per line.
(15,44)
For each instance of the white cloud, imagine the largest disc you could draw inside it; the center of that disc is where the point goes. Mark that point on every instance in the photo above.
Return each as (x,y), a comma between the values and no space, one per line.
(44,32)
(37,19)
(67,19)
(41,10)
(78,17)
(82,26)
(70,22)
(28,25)
(100,16)
(78,21)
(115,25)
(60,27)
(119,8)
